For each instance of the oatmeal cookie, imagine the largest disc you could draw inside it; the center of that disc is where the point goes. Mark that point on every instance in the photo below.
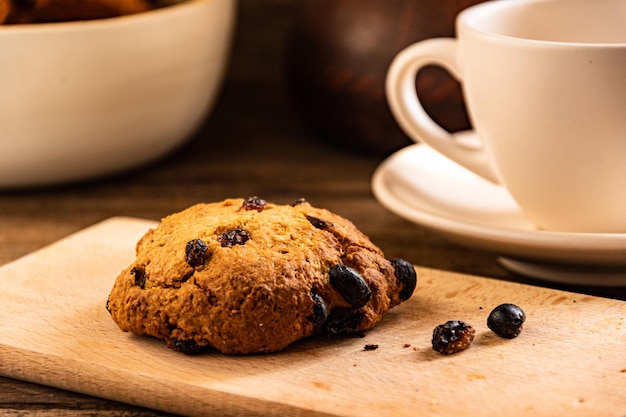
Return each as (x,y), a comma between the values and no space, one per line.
(247,276)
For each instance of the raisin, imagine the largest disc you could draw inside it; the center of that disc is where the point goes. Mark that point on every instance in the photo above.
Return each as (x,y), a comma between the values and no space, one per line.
(234,237)
(254,203)
(189,347)
(405,273)
(351,285)
(506,320)
(196,253)
(452,336)
(140,277)
(320,311)
(299,201)
(319,223)
(343,321)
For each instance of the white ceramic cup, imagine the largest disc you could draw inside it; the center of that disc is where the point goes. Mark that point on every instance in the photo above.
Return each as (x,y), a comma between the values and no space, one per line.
(545,87)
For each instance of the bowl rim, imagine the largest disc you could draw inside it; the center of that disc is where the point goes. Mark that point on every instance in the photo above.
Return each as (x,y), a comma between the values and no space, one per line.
(102,22)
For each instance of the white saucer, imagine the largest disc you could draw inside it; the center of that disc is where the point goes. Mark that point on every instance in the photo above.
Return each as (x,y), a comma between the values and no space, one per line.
(424,187)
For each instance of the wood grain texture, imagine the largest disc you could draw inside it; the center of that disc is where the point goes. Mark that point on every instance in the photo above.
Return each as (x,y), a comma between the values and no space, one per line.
(55,330)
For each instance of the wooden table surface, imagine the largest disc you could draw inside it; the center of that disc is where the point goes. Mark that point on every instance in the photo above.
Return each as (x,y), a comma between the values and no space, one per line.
(255,143)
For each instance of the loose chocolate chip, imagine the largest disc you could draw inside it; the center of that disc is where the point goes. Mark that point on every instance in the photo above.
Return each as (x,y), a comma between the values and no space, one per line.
(189,347)
(320,311)
(506,320)
(318,223)
(343,321)
(254,203)
(196,253)
(234,237)
(351,285)
(299,201)
(140,276)
(405,273)
(452,336)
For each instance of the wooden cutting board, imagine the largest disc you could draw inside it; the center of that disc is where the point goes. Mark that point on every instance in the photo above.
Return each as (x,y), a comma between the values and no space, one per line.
(570,360)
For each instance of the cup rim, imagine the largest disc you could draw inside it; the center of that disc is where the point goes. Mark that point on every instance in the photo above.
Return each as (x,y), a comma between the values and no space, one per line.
(466,20)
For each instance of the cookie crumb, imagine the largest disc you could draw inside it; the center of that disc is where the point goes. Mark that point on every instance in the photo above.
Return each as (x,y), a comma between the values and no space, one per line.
(453,336)
(370,347)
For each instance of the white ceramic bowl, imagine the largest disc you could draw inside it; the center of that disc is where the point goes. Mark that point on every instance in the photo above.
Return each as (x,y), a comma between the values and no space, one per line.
(83,99)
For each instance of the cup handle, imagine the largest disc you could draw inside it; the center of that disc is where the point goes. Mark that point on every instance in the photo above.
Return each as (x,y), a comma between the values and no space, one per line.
(410,114)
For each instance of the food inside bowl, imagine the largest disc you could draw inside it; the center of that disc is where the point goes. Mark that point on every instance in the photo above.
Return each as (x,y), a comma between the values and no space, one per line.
(47,11)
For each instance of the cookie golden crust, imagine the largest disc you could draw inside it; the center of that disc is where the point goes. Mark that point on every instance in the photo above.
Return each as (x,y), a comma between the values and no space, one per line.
(246,276)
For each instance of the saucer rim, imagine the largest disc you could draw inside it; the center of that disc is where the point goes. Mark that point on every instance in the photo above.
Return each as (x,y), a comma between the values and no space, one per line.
(566,274)
(568,248)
